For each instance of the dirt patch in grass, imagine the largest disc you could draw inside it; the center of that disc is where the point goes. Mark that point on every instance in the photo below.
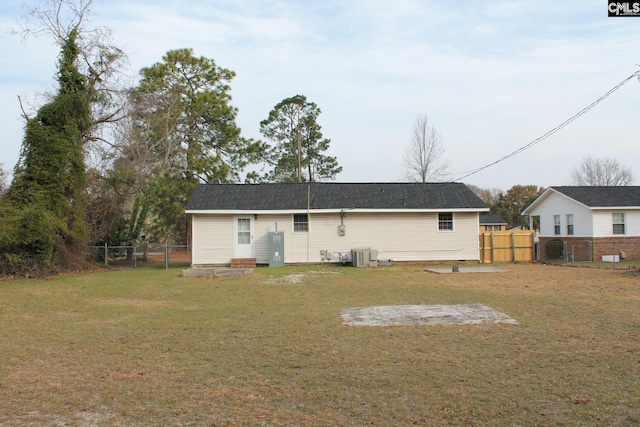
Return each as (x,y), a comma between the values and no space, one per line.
(296,277)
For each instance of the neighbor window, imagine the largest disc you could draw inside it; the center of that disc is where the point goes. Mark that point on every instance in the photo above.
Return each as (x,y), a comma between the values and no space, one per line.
(300,222)
(618,223)
(570,225)
(445,221)
(556,225)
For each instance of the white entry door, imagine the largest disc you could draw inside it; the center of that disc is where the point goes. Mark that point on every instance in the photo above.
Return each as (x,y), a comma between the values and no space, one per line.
(244,247)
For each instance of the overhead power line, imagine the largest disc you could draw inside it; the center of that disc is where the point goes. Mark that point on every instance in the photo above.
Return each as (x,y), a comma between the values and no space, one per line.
(552,131)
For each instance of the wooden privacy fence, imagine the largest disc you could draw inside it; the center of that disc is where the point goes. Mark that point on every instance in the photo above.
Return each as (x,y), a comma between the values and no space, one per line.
(507,246)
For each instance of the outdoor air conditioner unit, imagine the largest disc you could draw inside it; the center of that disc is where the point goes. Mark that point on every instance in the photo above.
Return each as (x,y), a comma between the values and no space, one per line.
(364,257)
(360,257)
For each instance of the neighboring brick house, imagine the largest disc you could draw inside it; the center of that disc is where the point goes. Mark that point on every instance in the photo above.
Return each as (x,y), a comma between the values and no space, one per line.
(492,222)
(320,221)
(593,221)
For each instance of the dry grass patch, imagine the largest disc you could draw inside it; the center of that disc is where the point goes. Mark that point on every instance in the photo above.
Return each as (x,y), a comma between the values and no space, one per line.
(148,347)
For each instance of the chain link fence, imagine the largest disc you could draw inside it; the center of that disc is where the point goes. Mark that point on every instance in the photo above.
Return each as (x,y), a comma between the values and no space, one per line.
(123,256)
(600,251)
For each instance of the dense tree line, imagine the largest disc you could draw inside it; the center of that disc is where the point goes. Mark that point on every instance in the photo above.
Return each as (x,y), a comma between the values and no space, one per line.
(510,204)
(105,163)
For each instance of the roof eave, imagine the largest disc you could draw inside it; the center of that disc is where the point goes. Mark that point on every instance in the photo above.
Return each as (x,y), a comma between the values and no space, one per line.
(316,211)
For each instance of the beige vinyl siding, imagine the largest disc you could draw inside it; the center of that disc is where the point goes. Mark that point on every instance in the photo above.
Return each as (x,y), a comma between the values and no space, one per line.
(213,239)
(396,236)
(399,237)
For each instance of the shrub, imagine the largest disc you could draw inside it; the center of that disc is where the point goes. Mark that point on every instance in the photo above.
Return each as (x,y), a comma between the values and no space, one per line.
(553,248)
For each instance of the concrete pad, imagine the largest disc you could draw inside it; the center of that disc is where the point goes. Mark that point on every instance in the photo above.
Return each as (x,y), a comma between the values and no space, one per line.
(392,315)
(468,270)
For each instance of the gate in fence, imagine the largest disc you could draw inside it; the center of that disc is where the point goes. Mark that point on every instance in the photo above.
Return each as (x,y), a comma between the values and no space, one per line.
(507,246)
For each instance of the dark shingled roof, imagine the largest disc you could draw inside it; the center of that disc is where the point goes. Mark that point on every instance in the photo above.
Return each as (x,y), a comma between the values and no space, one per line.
(257,197)
(491,219)
(602,197)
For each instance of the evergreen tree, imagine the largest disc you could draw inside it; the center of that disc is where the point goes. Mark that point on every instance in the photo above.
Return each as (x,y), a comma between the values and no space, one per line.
(297,155)
(43,212)
(181,131)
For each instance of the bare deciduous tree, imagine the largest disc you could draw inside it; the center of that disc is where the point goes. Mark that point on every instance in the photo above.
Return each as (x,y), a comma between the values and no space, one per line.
(423,158)
(490,196)
(607,172)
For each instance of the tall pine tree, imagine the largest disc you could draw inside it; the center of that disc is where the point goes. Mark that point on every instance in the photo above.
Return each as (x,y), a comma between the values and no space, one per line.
(43,212)
(298,151)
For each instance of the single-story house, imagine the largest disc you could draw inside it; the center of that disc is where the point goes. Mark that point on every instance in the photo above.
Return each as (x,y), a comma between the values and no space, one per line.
(492,222)
(323,222)
(603,221)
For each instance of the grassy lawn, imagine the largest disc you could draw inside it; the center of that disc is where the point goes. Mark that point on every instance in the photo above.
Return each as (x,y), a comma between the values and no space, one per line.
(148,347)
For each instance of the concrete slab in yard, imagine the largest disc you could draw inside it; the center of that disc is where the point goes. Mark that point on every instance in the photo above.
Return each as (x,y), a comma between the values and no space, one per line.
(468,270)
(392,315)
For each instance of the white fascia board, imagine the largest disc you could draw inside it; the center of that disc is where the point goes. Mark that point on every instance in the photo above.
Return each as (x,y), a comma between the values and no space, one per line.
(312,211)
(614,208)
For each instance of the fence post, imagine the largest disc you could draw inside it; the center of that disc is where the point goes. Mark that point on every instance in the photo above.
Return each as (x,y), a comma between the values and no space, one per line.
(106,255)
(573,254)
(135,257)
(166,256)
(493,249)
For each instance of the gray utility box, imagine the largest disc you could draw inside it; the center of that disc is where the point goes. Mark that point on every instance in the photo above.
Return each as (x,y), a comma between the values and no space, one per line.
(276,249)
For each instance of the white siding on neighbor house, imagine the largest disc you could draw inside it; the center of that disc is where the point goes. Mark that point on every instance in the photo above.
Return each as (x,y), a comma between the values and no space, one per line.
(399,237)
(603,223)
(555,204)
(212,239)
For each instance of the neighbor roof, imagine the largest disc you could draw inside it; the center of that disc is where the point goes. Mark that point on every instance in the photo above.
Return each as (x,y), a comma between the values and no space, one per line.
(603,196)
(331,196)
(595,196)
(491,219)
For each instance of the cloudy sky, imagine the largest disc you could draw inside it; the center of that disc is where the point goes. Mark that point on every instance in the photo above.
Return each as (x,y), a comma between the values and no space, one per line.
(492,76)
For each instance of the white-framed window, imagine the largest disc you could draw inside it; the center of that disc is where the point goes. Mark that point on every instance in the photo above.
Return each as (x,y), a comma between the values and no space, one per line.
(300,222)
(244,231)
(569,224)
(618,223)
(556,225)
(445,221)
